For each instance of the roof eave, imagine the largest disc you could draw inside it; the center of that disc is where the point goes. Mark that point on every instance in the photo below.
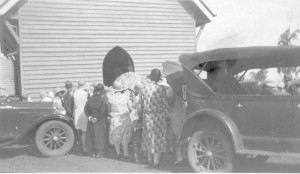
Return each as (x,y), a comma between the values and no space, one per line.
(201,13)
(9,7)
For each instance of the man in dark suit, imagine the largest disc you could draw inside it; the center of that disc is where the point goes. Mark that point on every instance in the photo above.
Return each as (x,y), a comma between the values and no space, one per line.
(96,109)
(68,102)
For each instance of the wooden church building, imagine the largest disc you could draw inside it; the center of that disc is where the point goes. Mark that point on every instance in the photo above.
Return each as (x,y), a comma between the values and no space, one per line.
(46,42)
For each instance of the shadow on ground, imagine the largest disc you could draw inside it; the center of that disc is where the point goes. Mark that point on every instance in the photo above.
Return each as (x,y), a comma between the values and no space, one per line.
(10,155)
(13,151)
(280,165)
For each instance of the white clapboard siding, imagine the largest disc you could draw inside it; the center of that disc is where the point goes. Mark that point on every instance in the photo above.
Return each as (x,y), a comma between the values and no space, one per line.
(7,76)
(68,39)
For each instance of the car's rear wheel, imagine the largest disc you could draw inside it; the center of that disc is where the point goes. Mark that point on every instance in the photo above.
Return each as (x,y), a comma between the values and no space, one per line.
(54,138)
(210,150)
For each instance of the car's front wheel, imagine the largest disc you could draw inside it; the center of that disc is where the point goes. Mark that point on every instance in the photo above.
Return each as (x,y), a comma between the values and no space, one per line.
(54,138)
(210,150)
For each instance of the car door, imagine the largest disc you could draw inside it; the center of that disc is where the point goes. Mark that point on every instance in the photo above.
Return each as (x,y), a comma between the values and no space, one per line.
(295,147)
(8,121)
(264,121)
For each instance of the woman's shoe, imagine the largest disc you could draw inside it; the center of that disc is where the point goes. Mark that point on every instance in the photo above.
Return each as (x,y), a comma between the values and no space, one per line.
(99,155)
(119,156)
(178,162)
(84,152)
(156,165)
(126,157)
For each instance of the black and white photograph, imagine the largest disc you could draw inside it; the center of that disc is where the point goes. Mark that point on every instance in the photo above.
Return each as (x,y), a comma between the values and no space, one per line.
(149,86)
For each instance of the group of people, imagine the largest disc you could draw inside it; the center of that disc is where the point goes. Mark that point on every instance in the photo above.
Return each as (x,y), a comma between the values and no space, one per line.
(137,110)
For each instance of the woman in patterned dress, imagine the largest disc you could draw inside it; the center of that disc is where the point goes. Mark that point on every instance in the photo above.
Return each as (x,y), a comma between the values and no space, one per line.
(129,79)
(155,111)
(120,123)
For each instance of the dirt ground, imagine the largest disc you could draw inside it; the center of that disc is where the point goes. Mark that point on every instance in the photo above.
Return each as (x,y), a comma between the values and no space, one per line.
(28,159)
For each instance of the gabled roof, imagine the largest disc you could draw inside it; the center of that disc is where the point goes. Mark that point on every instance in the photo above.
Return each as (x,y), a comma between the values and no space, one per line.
(201,13)
(198,10)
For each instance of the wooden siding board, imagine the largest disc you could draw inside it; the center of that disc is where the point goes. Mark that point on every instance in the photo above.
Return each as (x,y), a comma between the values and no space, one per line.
(132,46)
(107,40)
(137,61)
(95,32)
(146,3)
(68,39)
(88,38)
(7,76)
(108,20)
(104,5)
(116,28)
(143,15)
(30,22)
(102,12)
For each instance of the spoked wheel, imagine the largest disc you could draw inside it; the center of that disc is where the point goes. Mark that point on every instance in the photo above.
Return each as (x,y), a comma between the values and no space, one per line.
(210,150)
(54,138)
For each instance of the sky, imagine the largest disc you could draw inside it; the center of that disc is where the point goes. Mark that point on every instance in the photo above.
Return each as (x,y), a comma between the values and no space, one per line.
(242,23)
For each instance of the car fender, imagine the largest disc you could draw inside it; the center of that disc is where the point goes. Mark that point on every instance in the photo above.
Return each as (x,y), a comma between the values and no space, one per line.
(37,123)
(224,119)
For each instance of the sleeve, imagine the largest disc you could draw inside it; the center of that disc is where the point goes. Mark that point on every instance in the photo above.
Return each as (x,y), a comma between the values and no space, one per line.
(170,96)
(165,98)
(129,103)
(140,106)
(86,109)
(107,106)
(72,105)
(68,104)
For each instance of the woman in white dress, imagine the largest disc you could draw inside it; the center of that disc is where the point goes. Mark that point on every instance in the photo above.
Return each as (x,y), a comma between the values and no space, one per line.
(81,96)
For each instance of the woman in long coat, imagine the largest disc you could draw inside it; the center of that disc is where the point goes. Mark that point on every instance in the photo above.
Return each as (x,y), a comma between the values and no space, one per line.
(120,124)
(96,108)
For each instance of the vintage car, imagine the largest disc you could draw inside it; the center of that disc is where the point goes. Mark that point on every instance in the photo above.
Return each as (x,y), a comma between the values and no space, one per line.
(226,120)
(23,122)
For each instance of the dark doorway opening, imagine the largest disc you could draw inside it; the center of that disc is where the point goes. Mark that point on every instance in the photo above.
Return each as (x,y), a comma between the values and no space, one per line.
(115,63)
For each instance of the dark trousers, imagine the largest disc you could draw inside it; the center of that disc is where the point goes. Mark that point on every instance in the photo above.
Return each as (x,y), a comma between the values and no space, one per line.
(96,136)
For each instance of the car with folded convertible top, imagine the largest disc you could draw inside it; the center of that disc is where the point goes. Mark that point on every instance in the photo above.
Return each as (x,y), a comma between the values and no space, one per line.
(42,123)
(228,118)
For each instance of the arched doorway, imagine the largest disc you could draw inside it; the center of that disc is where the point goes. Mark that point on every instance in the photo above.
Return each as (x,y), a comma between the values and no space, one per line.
(115,63)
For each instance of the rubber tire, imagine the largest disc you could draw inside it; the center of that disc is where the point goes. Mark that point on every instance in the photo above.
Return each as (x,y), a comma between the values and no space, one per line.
(64,149)
(228,167)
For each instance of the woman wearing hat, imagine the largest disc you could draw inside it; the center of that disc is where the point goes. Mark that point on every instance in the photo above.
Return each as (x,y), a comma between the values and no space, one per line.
(129,79)
(155,111)
(57,100)
(96,108)
(80,119)
(120,124)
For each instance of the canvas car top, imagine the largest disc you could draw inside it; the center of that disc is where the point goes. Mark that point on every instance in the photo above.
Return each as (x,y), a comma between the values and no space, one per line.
(253,57)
